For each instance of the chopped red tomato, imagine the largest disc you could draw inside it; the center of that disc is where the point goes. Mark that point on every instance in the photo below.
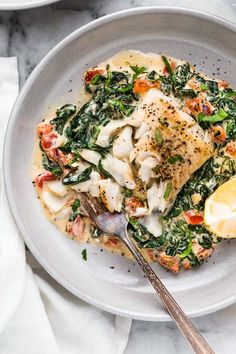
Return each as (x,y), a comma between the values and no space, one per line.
(76,228)
(223,84)
(48,141)
(141,86)
(151,254)
(132,204)
(64,158)
(194,105)
(57,155)
(204,253)
(91,73)
(165,70)
(231,149)
(44,128)
(43,177)
(169,262)
(194,83)
(218,134)
(197,105)
(52,154)
(111,242)
(207,108)
(186,264)
(193,217)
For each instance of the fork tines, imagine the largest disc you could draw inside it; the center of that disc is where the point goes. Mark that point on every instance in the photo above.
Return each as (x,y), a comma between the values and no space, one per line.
(92,206)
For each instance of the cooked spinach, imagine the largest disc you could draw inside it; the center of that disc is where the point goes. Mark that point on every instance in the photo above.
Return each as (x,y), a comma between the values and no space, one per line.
(205,241)
(204,181)
(111,98)
(62,115)
(102,171)
(73,178)
(139,233)
(152,76)
(194,260)
(176,80)
(51,166)
(75,212)
(176,237)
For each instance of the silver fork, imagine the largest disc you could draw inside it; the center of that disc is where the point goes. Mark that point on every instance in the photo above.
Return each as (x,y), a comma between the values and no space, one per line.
(116,224)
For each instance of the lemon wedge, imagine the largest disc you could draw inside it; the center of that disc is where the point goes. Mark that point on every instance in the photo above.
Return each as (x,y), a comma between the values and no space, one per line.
(220,210)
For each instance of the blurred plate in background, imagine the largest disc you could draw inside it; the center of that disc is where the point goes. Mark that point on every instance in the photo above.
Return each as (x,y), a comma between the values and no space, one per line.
(23,4)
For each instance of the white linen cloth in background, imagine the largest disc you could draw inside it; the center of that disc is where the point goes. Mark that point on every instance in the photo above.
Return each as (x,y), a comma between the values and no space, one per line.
(38,316)
(12,264)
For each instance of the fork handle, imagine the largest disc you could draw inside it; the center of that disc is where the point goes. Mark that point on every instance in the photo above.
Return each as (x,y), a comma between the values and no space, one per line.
(190,332)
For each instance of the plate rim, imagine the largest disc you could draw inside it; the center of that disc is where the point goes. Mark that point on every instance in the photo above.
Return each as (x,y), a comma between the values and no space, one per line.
(11,7)
(7,142)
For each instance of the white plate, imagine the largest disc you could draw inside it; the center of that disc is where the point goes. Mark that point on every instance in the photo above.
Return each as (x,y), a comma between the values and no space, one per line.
(23,4)
(208,42)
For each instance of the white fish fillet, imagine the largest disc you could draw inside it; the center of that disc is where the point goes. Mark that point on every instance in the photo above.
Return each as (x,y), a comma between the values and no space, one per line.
(182,148)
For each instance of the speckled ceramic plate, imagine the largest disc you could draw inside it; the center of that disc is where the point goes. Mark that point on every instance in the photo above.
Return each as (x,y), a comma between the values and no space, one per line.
(105,280)
(23,4)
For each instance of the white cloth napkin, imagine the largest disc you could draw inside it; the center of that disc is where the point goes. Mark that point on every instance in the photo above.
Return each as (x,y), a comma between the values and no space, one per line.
(38,316)
(12,265)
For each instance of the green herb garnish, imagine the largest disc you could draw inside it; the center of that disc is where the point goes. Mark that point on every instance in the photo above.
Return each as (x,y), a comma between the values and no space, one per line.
(167,64)
(168,190)
(217,117)
(158,137)
(204,87)
(95,79)
(84,254)
(188,250)
(138,70)
(173,159)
